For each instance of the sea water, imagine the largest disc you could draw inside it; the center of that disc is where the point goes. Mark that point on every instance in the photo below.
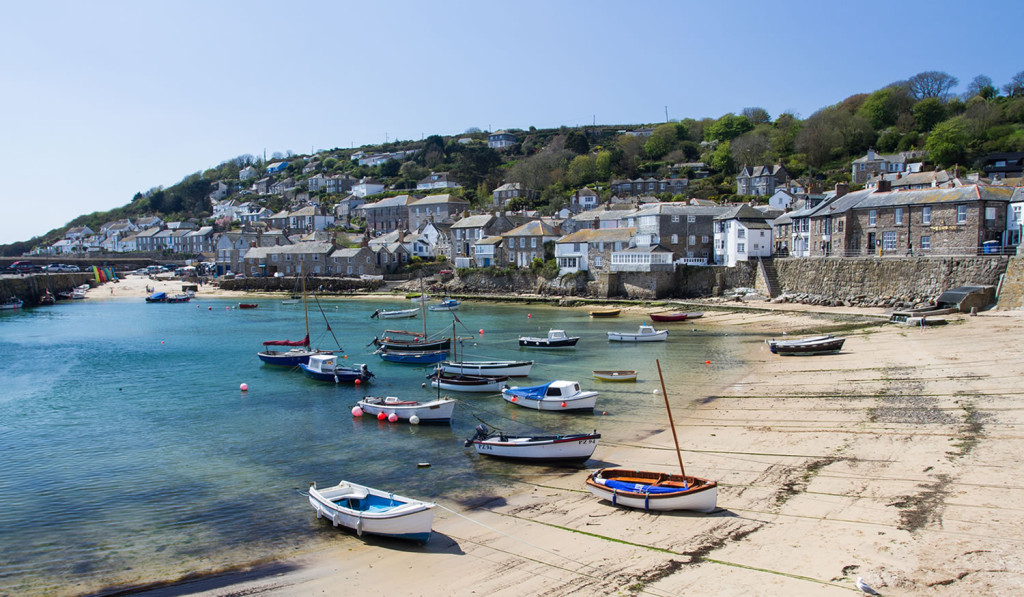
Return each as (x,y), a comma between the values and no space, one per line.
(129,453)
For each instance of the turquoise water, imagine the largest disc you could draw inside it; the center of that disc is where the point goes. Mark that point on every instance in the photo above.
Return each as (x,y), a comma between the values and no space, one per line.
(130,455)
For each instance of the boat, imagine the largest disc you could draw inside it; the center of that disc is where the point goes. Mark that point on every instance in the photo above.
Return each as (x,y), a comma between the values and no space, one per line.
(438,410)
(653,490)
(488,368)
(645,333)
(694,314)
(568,448)
(448,304)
(668,316)
(325,367)
(299,351)
(414,295)
(157,297)
(558,395)
(454,382)
(554,339)
(621,375)
(290,301)
(11,304)
(79,291)
(178,298)
(394,313)
(47,299)
(248,305)
(368,510)
(422,298)
(807,346)
(605,312)
(415,357)
(394,341)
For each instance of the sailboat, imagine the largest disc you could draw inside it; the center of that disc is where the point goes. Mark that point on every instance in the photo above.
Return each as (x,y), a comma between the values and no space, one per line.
(405,341)
(653,490)
(299,350)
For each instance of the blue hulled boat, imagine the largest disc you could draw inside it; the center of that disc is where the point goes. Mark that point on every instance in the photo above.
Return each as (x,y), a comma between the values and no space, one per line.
(322,367)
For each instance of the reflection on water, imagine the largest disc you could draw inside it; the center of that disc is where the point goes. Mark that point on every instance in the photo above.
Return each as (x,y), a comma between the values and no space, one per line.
(130,454)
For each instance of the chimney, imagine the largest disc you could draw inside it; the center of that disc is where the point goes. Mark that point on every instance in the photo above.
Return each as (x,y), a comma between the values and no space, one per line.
(841,189)
(884,186)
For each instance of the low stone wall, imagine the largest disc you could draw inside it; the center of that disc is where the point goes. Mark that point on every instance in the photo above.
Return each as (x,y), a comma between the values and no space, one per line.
(1011,292)
(289,285)
(32,286)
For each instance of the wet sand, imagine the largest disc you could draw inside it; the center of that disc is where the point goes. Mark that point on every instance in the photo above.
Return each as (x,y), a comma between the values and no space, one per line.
(895,460)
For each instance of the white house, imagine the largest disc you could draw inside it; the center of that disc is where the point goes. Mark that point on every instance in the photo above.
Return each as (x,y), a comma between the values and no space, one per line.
(742,233)
(366,187)
(590,249)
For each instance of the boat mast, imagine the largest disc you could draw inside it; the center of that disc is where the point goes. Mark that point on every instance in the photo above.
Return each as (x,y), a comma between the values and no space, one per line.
(305,309)
(671,425)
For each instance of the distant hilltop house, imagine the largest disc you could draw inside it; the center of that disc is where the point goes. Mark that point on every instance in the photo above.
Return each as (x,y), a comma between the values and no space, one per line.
(761,180)
(379,158)
(247,173)
(648,186)
(874,164)
(583,200)
(1000,166)
(501,140)
(508,191)
(438,180)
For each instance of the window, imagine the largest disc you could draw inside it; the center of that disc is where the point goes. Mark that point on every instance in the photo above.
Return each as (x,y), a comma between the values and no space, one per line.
(675,239)
(926,242)
(990,213)
(533,243)
(675,218)
(899,216)
(889,241)
(872,217)
(741,233)
(839,226)
(961,214)
(926,215)
(692,240)
(741,248)
(691,219)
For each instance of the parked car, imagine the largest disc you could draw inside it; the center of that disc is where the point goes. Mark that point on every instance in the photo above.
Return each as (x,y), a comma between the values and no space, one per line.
(72,268)
(24,267)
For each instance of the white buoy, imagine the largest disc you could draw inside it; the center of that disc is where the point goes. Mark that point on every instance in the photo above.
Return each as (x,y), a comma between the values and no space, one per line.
(414,420)
(356,411)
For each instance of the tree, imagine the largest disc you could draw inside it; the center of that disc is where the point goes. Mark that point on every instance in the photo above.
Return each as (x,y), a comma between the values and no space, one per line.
(884,106)
(581,171)
(947,143)
(603,165)
(663,139)
(756,115)
(929,112)
(751,148)
(931,83)
(576,142)
(721,158)
(390,168)
(1016,85)
(727,128)
(980,85)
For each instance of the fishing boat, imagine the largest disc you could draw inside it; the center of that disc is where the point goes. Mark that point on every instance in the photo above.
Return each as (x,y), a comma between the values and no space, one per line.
(11,304)
(620,375)
(645,333)
(652,490)
(325,367)
(438,410)
(454,382)
(157,297)
(399,340)
(826,344)
(554,339)
(567,448)
(558,395)
(299,351)
(178,298)
(368,510)
(668,316)
(419,299)
(448,304)
(414,357)
(394,313)
(248,305)
(488,368)
(79,291)
(605,312)
(47,299)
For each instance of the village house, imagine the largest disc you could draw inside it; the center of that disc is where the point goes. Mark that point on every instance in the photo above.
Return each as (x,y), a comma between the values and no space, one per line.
(437,180)
(910,181)
(583,200)
(590,249)
(247,173)
(468,230)
(387,214)
(489,251)
(742,233)
(685,230)
(231,247)
(525,243)
(355,261)
(761,180)
(437,208)
(310,258)
(367,186)
(501,140)
(648,186)
(146,239)
(508,191)
(346,208)
(875,163)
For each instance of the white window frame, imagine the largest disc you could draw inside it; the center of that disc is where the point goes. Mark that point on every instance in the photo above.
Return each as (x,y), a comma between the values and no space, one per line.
(926,216)
(961,214)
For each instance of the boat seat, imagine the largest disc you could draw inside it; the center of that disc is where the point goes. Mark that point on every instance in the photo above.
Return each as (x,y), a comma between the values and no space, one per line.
(354,493)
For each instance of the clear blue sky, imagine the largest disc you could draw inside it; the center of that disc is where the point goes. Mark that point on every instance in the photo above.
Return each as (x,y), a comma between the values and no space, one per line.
(99,100)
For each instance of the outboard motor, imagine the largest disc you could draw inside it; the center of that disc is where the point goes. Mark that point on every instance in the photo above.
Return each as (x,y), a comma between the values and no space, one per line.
(481,433)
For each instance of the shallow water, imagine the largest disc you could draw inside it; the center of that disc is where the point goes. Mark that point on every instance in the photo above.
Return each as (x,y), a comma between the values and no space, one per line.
(129,454)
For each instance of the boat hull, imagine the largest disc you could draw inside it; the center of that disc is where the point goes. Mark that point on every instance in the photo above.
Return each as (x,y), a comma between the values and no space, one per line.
(289,358)
(400,314)
(368,510)
(646,490)
(339,375)
(545,343)
(488,368)
(575,448)
(668,317)
(615,375)
(396,345)
(582,401)
(434,411)
(467,383)
(606,313)
(414,357)
(808,347)
(659,336)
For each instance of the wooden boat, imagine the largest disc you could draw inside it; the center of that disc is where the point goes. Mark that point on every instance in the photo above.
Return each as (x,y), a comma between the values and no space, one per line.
(430,411)
(157,297)
(368,510)
(47,299)
(645,333)
(299,351)
(668,316)
(394,313)
(488,368)
(400,340)
(248,305)
(605,312)
(415,357)
(694,314)
(622,375)
(568,448)
(651,490)
(825,344)
(453,382)
(420,299)
(11,304)
(325,367)
(554,339)
(558,395)
(448,304)
(178,298)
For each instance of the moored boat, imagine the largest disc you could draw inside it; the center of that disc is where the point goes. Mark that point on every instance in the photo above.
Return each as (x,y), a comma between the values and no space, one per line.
(448,304)
(414,357)
(157,297)
(825,344)
(454,382)
(568,448)
(368,510)
(438,410)
(619,375)
(645,333)
(668,316)
(488,368)
(47,299)
(394,313)
(325,367)
(554,339)
(400,340)
(248,305)
(605,312)
(11,304)
(558,395)
(647,490)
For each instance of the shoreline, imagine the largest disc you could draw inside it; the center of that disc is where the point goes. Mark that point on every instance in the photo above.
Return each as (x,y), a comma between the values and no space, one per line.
(888,461)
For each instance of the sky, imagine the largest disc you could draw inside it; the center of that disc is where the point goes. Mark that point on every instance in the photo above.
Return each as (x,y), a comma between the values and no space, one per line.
(100,100)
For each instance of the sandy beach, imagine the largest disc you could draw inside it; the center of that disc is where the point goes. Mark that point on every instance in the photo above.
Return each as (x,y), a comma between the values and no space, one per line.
(894,460)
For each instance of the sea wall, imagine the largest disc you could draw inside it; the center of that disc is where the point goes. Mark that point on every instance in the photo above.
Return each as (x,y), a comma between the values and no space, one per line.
(1011,291)
(30,287)
(291,284)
